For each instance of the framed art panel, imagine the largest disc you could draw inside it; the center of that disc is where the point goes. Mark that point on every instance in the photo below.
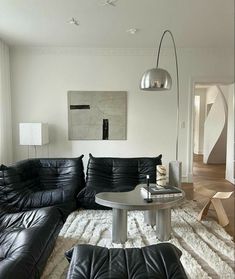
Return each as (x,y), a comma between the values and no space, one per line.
(97,115)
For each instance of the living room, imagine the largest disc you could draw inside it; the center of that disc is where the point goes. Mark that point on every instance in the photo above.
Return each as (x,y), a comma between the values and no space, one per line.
(52,48)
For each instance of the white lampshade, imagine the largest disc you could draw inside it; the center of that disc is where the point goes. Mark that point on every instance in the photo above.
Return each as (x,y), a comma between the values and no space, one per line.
(33,133)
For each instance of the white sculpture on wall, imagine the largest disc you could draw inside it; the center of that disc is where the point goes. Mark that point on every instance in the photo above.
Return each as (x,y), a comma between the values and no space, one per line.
(215,130)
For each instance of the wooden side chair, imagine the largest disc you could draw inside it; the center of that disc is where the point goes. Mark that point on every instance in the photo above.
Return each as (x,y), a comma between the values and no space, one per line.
(215,199)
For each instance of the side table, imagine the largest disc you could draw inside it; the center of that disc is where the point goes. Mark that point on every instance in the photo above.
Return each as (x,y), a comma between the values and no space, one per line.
(215,199)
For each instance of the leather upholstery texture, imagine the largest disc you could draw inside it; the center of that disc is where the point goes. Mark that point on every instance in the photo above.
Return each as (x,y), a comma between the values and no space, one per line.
(36,183)
(160,261)
(26,241)
(115,175)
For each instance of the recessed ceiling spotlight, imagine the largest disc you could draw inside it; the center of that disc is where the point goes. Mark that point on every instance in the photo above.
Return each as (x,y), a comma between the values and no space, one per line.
(73,21)
(109,3)
(132,31)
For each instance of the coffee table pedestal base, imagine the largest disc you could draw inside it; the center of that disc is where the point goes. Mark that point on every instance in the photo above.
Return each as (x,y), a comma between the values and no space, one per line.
(119,225)
(150,217)
(162,219)
(163,224)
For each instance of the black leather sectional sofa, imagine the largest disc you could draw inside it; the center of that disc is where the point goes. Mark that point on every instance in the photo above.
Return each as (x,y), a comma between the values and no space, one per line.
(26,241)
(36,196)
(109,174)
(37,183)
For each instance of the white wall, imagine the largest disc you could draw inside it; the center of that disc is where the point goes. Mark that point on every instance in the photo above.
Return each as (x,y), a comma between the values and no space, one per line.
(199,136)
(230,166)
(196,124)
(41,78)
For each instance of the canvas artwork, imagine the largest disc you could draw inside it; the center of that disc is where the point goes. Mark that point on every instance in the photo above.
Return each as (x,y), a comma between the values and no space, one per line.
(97,115)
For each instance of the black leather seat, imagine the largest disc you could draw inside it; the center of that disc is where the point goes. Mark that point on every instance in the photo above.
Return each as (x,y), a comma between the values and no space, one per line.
(108,174)
(160,261)
(36,183)
(26,241)
(33,194)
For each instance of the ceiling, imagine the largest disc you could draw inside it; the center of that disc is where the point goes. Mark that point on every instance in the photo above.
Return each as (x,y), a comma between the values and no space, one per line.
(194,23)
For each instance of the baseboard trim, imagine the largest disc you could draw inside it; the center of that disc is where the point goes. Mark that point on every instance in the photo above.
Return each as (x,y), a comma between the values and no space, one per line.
(231,180)
(187,179)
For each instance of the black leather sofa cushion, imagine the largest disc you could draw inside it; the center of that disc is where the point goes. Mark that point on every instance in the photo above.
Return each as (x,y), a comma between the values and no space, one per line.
(108,174)
(38,183)
(160,261)
(26,241)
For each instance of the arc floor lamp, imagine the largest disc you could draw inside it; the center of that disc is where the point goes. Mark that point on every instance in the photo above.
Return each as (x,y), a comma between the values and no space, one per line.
(158,79)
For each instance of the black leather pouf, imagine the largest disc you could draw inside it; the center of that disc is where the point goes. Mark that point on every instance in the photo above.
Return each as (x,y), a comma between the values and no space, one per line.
(155,261)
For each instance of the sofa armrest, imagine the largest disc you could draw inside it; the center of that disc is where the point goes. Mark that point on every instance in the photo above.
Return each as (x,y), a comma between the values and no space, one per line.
(26,241)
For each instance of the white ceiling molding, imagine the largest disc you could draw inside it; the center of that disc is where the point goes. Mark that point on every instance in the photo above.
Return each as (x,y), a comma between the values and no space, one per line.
(87,51)
(117,51)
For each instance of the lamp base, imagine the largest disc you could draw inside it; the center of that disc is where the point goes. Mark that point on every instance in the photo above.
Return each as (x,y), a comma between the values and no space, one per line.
(175,173)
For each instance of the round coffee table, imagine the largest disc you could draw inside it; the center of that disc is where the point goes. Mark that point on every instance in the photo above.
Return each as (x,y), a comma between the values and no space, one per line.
(158,212)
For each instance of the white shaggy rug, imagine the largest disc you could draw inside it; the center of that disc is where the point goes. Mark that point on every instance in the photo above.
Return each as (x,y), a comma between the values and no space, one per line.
(208,251)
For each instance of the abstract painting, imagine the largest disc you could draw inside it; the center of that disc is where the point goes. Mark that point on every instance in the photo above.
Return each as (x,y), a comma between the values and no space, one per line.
(97,115)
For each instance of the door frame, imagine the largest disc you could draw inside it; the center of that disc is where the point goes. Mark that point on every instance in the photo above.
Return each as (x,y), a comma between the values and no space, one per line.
(193,81)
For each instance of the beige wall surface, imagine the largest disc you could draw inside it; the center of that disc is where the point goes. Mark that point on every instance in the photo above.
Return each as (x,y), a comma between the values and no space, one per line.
(230,158)
(199,135)
(41,78)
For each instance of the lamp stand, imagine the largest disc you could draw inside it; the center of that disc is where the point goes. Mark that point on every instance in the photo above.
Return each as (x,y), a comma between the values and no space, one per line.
(177,84)
(175,167)
(158,79)
(35,151)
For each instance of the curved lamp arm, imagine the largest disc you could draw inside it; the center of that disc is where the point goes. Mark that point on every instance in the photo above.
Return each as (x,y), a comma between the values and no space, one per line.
(177,79)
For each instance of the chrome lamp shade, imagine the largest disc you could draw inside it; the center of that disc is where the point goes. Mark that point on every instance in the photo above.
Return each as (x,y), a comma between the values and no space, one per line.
(156,79)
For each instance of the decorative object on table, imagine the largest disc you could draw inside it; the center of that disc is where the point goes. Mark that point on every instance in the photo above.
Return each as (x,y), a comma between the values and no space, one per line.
(161,175)
(158,79)
(215,199)
(156,191)
(148,199)
(97,115)
(33,134)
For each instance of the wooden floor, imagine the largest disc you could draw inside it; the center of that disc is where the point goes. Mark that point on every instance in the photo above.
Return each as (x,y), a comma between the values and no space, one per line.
(211,176)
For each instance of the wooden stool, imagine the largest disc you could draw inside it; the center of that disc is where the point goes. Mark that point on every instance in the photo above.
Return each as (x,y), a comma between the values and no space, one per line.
(214,198)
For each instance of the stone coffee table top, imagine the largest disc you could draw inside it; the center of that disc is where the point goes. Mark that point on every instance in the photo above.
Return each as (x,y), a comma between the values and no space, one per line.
(134,200)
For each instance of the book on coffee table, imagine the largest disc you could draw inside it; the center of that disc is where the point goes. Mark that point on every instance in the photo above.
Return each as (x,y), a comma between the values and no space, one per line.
(162,192)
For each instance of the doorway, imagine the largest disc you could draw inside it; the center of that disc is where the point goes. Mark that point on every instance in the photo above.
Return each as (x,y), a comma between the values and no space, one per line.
(209,126)
(209,175)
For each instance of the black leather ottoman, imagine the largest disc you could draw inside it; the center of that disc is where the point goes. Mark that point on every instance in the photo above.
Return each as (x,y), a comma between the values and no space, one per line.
(155,261)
